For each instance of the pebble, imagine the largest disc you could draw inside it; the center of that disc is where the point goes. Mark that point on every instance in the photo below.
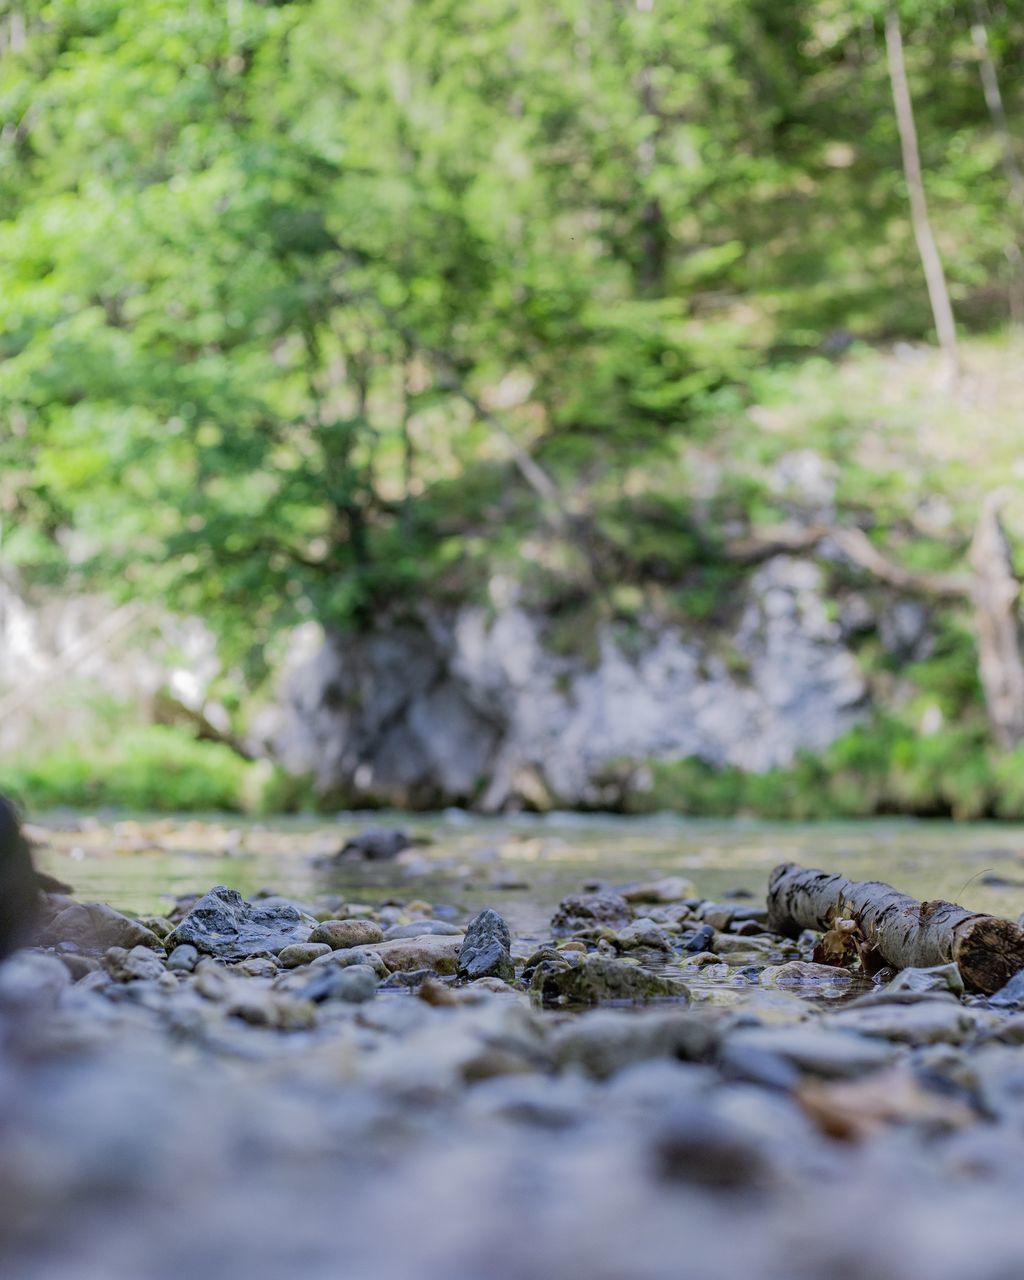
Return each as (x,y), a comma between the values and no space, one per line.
(183,959)
(300,953)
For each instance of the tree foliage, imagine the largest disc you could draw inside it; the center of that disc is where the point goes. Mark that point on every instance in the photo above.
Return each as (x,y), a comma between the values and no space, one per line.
(303,304)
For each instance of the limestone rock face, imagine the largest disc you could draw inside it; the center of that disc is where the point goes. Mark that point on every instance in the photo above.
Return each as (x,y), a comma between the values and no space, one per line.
(471,707)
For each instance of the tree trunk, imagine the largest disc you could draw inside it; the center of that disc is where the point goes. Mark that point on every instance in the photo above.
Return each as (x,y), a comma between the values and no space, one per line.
(935,276)
(1011,167)
(907,933)
(996,594)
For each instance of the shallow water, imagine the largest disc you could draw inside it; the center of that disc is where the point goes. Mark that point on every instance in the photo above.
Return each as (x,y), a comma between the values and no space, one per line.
(522,865)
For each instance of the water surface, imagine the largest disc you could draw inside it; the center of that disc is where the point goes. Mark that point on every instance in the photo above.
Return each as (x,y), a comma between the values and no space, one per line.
(520,864)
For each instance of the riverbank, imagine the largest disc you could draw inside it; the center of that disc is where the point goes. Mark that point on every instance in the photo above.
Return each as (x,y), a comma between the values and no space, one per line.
(216,1095)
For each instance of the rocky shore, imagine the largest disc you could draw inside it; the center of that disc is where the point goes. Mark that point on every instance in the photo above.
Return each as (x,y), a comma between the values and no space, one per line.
(273,1088)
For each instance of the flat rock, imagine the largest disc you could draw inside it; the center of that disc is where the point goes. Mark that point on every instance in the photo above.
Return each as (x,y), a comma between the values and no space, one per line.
(669,889)
(607,1041)
(485,951)
(596,979)
(585,910)
(94,927)
(834,1054)
(420,928)
(437,954)
(801,973)
(223,924)
(927,1022)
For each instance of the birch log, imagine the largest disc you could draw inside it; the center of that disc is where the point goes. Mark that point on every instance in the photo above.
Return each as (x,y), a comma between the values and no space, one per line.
(906,933)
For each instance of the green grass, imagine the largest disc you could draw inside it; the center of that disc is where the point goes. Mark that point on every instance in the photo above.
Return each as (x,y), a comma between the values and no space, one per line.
(149,767)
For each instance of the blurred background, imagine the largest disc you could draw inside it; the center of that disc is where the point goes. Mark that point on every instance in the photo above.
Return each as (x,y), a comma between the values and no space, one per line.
(595,405)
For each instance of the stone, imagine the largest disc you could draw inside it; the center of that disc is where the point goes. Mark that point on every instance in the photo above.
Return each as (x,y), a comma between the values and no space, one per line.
(485,950)
(31,981)
(420,928)
(695,1146)
(927,1022)
(834,1054)
(817,978)
(941,977)
(339,935)
(607,1041)
(94,927)
(223,924)
(670,889)
(183,959)
(300,953)
(132,966)
(587,910)
(596,979)
(643,933)
(701,940)
(437,953)
(354,984)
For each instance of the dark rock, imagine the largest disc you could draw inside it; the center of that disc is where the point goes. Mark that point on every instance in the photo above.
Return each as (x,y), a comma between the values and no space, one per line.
(486,949)
(585,910)
(223,924)
(595,979)
(377,844)
(93,927)
(19,891)
(701,940)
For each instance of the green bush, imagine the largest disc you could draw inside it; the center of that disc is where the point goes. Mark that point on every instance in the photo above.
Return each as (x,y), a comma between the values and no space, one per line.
(152,767)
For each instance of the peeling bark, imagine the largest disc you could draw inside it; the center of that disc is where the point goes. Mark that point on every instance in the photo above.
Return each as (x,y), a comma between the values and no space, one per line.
(906,933)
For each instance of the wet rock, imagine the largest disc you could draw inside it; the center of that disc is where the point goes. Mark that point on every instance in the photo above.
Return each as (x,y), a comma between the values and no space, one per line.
(586,910)
(701,940)
(300,953)
(942,977)
(643,933)
(486,947)
(718,915)
(606,1042)
(670,889)
(136,965)
(803,974)
(223,924)
(419,928)
(256,967)
(342,934)
(376,844)
(94,927)
(832,1054)
(183,959)
(354,984)
(596,979)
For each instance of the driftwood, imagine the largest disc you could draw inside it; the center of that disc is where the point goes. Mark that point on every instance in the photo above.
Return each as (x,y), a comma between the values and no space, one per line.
(906,933)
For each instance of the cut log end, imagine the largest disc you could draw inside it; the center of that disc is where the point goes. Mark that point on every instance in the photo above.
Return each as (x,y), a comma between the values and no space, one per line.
(989,953)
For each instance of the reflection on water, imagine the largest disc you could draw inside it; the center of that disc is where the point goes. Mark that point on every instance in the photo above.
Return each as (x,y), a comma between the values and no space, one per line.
(522,864)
